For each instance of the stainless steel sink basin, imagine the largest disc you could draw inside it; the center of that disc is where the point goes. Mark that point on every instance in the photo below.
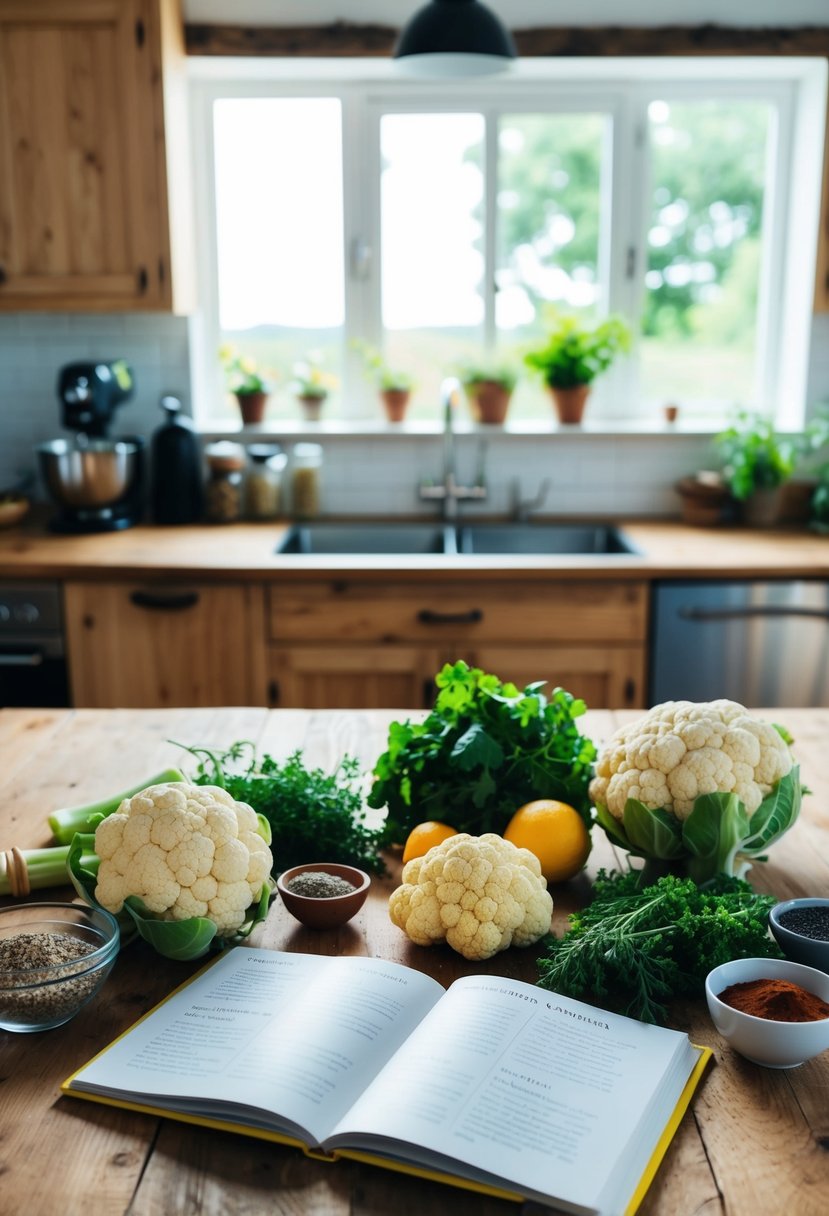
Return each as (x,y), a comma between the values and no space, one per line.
(543,539)
(369,538)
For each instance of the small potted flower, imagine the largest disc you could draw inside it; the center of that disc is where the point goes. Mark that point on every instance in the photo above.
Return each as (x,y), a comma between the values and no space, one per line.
(312,385)
(394,385)
(247,383)
(489,387)
(573,354)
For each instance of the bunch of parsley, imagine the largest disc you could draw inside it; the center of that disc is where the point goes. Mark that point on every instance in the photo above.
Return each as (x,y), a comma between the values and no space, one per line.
(313,815)
(632,950)
(485,749)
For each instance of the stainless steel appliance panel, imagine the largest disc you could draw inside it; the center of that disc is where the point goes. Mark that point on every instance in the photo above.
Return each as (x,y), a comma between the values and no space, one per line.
(764,644)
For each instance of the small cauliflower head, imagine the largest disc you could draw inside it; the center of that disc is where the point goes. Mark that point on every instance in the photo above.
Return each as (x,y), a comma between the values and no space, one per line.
(184,850)
(682,749)
(480,894)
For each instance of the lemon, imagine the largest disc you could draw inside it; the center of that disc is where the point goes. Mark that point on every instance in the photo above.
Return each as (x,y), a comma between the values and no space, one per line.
(555,832)
(424,836)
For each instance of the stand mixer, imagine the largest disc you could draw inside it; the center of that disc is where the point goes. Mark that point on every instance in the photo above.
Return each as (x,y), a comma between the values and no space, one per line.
(96,481)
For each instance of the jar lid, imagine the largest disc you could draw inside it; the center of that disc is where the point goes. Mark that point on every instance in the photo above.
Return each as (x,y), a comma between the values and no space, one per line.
(260,452)
(308,451)
(224,456)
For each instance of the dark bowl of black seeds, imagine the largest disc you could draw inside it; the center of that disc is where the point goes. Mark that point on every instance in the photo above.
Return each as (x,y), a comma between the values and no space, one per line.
(801,929)
(324,894)
(53,959)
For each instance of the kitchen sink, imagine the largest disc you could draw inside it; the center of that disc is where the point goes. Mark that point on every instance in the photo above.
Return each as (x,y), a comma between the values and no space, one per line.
(369,538)
(467,539)
(541,539)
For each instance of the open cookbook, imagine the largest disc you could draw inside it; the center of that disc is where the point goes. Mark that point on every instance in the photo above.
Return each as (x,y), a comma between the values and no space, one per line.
(493,1085)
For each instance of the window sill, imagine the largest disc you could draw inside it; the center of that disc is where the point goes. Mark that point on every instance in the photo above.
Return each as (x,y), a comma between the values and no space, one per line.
(416,429)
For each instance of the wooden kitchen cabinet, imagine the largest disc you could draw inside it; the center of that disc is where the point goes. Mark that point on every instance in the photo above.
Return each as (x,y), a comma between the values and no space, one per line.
(157,645)
(356,643)
(94,172)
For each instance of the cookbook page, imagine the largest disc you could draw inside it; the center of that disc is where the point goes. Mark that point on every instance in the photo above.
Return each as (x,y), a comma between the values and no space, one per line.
(521,1084)
(264,1031)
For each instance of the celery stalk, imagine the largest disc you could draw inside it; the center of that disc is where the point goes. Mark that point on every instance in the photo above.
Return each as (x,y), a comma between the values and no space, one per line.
(47,867)
(71,819)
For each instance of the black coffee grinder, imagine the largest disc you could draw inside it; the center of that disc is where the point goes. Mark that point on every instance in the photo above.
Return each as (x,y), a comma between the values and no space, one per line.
(96,481)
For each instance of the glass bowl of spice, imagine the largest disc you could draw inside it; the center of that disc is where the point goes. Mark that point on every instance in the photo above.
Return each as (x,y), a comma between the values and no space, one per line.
(801,929)
(772,1011)
(53,959)
(323,895)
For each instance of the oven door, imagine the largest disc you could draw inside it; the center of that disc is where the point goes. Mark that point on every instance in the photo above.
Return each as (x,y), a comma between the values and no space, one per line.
(33,672)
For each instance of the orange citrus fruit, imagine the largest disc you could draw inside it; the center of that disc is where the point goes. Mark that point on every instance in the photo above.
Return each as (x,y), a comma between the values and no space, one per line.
(424,836)
(555,832)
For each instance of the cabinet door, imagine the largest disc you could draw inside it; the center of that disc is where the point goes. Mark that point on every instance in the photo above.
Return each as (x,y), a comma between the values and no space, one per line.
(352,677)
(605,676)
(84,219)
(161,645)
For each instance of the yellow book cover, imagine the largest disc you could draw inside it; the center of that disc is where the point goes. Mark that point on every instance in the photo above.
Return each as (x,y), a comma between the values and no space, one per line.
(493,1085)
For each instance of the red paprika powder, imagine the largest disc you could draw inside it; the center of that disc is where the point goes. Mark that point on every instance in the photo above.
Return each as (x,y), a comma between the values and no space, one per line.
(776,1000)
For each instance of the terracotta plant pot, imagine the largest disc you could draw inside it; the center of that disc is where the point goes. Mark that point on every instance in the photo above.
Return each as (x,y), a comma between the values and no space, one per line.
(311,407)
(570,403)
(489,401)
(252,406)
(395,403)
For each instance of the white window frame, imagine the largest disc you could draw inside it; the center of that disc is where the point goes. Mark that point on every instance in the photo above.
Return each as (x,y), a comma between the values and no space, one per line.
(622,89)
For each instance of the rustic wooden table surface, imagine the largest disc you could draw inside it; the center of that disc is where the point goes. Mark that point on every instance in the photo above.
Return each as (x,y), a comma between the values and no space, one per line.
(755,1141)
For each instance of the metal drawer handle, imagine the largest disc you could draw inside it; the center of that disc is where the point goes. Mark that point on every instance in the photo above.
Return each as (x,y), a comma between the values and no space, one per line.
(164,603)
(769,610)
(30,659)
(427,617)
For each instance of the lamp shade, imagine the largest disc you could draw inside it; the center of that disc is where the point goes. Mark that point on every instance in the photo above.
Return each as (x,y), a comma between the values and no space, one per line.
(454,38)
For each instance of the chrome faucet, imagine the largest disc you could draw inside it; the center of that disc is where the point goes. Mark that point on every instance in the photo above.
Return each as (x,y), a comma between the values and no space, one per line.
(449,491)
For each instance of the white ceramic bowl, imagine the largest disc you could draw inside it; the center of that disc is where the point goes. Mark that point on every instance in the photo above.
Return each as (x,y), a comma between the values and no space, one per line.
(773,1044)
(810,951)
(37,995)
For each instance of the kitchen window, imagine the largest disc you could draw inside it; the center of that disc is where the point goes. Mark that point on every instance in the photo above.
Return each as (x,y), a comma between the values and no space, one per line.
(439,223)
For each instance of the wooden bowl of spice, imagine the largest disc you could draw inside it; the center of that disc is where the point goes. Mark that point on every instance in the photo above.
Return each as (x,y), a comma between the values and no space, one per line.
(53,959)
(772,1011)
(323,895)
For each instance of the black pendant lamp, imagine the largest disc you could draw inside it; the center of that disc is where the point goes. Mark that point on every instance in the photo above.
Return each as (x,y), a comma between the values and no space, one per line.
(449,38)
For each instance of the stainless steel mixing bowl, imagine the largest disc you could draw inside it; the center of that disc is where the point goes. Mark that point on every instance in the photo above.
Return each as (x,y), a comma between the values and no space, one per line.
(96,473)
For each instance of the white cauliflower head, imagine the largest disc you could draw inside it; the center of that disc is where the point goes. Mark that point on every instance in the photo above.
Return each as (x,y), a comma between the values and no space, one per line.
(480,894)
(184,850)
(682,749)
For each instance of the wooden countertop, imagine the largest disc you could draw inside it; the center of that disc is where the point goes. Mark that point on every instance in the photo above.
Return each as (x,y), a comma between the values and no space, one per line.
(754,1141)
(242,552)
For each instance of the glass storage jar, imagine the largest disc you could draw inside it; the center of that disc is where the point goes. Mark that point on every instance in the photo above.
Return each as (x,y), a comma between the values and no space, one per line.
(225,483)
(263,487)
(306,480)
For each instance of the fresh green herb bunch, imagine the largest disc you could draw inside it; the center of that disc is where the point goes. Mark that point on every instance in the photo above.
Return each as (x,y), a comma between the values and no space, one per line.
(576,352)
(314,816)
(632,950)
(484,750)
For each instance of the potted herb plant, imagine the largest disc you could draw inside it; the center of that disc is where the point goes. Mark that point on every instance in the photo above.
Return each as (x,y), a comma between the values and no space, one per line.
(393,384)
(312,385)
(757,463)
(571,357)
(489,387)
(247,383)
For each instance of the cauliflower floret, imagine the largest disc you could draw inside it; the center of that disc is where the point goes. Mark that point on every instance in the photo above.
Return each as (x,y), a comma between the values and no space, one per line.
(682,749)
(480,894)
(185,851)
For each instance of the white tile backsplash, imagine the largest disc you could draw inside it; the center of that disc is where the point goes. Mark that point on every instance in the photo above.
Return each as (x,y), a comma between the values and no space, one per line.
(628,472)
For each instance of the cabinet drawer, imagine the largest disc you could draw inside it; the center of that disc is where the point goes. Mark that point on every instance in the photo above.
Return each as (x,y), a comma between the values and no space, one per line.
(543,610)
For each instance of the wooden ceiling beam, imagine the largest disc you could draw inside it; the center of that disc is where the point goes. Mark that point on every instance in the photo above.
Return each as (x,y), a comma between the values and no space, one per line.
(344,40)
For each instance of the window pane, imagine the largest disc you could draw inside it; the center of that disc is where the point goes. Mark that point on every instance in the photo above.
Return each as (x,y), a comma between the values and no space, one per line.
(703,260)
(279,228)
(548,223)
(432,192)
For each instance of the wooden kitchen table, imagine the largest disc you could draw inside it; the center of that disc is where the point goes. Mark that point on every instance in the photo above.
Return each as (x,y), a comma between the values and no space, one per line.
(755,1141)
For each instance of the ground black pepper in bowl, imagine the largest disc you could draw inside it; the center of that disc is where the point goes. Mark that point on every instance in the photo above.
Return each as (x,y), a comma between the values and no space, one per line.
(319,885)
